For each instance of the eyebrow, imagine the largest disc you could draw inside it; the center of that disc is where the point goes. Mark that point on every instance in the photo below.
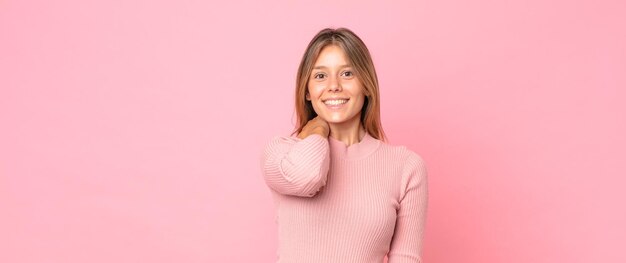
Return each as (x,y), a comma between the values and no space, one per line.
(341,66)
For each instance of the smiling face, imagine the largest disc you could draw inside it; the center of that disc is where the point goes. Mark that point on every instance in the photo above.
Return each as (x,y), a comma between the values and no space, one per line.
(335,92)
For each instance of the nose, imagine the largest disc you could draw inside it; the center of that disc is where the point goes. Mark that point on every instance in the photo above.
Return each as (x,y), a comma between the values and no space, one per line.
(333,84)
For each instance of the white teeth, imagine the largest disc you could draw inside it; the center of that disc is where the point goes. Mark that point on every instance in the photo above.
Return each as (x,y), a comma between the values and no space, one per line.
(335,102)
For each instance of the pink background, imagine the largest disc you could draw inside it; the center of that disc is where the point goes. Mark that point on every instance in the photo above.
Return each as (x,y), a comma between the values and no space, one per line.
(131,130)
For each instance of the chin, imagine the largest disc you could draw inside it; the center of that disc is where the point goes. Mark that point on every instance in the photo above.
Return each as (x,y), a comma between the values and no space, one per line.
(338,119)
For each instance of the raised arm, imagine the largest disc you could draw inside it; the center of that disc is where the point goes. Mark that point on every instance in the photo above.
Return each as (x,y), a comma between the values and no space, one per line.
(406,244)
(294,166)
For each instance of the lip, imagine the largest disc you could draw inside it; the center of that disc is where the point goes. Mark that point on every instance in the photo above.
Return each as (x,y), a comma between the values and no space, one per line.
(324,100)
(336,107)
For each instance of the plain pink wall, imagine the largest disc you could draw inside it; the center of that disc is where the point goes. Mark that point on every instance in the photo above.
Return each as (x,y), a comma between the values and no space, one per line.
(131,130)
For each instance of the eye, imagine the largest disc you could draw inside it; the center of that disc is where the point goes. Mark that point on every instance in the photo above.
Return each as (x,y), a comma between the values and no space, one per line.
(318,75)
(348,73)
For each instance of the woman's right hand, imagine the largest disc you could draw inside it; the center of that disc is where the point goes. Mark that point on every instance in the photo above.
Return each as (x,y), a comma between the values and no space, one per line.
(316,125)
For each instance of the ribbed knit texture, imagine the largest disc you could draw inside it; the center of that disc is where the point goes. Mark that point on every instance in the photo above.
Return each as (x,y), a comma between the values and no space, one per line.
(338,203)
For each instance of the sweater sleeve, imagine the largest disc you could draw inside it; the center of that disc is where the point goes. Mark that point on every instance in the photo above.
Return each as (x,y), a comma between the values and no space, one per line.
(294,166)
(406,244)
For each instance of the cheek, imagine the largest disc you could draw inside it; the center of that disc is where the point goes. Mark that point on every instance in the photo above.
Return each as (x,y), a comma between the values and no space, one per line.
(314,92)
(360,103)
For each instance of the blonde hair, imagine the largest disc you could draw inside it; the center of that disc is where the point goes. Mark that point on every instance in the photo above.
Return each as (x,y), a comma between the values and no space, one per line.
(359,57)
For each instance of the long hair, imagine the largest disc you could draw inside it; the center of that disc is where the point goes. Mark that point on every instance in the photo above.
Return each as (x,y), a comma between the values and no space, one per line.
(360,58)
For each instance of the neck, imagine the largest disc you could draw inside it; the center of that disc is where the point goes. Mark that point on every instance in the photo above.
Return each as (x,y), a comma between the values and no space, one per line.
(349,132)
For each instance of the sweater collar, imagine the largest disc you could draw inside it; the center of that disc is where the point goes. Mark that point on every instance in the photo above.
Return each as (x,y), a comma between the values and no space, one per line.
(365,147)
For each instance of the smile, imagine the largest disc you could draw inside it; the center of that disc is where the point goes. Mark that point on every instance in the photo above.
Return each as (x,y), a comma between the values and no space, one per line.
(335,102)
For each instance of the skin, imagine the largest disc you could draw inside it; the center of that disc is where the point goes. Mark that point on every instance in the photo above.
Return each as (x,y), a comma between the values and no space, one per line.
(332,77)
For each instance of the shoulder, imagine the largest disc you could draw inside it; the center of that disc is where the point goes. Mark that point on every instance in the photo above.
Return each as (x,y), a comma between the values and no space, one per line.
(412,164)
(403,153)
(402,158)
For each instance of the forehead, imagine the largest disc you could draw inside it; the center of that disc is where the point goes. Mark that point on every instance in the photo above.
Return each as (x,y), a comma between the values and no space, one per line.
(331,56)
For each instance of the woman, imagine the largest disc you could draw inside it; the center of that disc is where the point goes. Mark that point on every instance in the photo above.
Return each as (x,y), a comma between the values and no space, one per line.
(342,193)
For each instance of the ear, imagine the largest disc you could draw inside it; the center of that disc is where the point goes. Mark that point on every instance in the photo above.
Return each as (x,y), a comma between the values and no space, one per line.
(307,96)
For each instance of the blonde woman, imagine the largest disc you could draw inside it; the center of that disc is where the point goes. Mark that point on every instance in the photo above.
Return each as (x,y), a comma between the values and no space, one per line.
(342,193)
